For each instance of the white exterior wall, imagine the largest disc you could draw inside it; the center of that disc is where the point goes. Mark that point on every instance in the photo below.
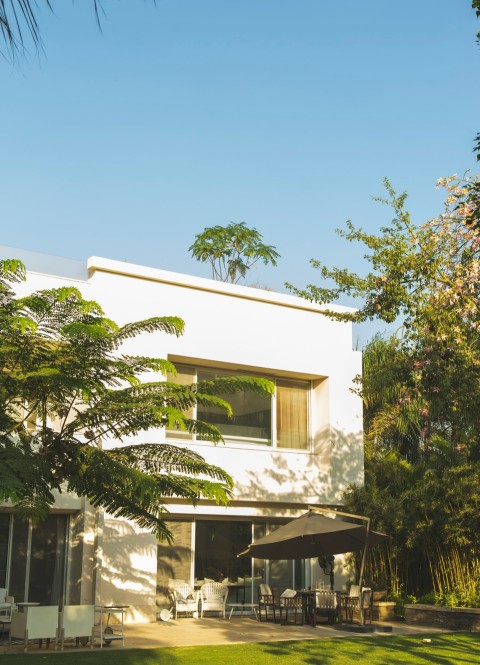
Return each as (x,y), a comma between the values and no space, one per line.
(244,328)
(257,330)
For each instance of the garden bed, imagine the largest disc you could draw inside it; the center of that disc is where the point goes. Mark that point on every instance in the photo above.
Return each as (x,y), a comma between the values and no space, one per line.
(452,618)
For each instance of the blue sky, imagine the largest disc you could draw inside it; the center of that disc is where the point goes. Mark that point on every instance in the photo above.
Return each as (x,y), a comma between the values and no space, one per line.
(285,114)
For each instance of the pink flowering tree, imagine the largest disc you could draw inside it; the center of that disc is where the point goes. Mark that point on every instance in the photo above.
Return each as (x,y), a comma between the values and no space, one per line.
(427,279)
(421,391)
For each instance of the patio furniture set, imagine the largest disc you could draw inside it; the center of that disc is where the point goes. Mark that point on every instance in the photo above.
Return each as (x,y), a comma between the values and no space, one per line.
(304,606)
(25,622)
(308,605)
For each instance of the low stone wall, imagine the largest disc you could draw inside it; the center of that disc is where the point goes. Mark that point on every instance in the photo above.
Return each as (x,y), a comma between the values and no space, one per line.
(452,618)
(383,610)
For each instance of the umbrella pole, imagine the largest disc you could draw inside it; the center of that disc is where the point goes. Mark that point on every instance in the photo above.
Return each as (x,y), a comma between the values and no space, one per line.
(362,569)
(327,511)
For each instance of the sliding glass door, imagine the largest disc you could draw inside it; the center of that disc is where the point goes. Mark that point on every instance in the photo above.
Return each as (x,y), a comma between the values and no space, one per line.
(35,559)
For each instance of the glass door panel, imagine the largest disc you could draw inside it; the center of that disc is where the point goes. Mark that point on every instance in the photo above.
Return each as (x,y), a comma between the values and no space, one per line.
(217,544)
(4,538)
(18,567)
(47,563)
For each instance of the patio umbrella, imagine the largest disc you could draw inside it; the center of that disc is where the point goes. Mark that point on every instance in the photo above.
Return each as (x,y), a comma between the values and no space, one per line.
(313,535)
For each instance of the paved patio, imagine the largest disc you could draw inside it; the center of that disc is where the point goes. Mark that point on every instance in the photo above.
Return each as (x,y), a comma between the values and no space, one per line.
(211,630)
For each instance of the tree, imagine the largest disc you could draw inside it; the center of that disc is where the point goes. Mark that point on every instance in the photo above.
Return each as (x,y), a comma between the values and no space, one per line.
(19,22)
(232,250)
(68,395)
(427,278)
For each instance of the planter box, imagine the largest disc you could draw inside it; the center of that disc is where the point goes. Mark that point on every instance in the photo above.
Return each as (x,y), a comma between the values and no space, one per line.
(452,618)
(383,610)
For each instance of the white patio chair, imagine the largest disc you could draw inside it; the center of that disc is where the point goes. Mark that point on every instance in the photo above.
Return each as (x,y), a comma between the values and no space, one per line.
(76,621)
(7,606)
(35,623)
(213,598)
(185,599)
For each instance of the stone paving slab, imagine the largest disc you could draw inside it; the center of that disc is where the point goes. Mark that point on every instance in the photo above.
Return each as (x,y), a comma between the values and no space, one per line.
(211,630)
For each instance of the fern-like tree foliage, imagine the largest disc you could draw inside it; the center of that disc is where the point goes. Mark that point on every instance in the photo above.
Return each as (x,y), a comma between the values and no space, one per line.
(69,397)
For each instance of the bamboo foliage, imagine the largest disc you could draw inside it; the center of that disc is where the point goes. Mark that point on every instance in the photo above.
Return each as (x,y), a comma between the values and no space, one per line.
(455,574)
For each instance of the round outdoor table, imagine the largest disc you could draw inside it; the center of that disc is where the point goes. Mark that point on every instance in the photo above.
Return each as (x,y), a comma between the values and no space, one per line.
(22,606)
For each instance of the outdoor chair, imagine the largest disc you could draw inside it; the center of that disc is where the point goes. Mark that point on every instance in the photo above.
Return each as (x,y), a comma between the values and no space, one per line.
(185,599)
(268,602)
(213,598)
(76,621)
(349,603)
(35,623)
(366,603)
(357,602)
(7,606)
(290,603)
(326,604)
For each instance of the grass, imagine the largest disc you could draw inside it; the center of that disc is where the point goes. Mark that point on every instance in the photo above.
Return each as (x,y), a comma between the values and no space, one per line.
(445,649)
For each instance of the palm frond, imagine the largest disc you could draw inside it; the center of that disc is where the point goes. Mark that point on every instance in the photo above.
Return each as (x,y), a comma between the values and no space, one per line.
(173,325)
(166,458)
(122,483)
(230,385)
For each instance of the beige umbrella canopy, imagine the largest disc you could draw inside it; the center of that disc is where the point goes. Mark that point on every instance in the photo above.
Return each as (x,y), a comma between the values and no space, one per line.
(313,535)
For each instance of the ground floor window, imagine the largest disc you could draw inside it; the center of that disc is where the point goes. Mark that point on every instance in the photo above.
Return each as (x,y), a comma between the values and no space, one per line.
(207,549)
(217,544)
(33,558)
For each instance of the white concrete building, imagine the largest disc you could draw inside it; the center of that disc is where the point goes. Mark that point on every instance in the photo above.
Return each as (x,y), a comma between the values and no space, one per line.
(301,447)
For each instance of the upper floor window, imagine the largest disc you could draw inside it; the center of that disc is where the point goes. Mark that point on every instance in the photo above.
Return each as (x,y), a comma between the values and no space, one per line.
(281,420)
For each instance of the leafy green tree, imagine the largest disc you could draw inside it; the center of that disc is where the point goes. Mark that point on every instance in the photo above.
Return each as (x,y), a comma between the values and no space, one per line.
(424,496)
(69,397)
(421,390)
(426,278)
(232,250)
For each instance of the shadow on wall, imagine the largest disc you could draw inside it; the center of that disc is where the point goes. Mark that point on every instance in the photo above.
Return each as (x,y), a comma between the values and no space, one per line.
(337,463)
(173,562)
(127,572)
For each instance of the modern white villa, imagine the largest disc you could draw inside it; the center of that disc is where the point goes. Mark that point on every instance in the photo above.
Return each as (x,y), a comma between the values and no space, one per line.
(301,447)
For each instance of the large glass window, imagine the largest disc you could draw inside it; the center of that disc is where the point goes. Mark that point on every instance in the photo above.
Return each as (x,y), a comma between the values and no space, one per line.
(252,413)
(281,420)
(47,562)
(217,545)
(38,556)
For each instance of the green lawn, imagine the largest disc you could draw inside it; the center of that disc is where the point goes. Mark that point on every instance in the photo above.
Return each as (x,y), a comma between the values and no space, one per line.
(445,649)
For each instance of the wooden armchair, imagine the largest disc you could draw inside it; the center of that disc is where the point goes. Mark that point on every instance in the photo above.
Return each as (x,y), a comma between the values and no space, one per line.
(268,603)
(326,604)
(291,604)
